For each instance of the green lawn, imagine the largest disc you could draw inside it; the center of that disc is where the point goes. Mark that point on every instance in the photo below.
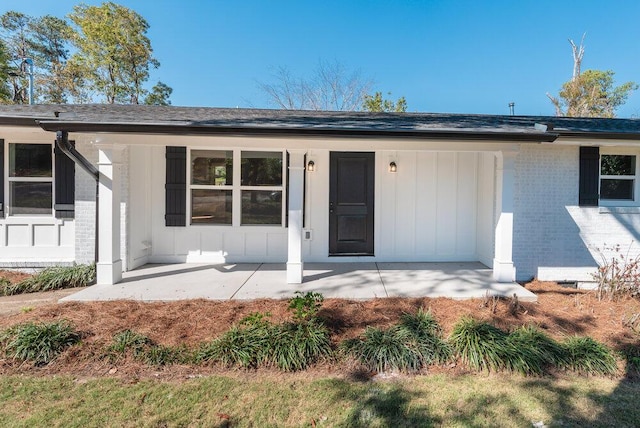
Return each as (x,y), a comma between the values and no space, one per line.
(294,401)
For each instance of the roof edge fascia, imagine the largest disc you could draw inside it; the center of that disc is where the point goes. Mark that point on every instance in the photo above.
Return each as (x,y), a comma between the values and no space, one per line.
(173,129)
(598,135)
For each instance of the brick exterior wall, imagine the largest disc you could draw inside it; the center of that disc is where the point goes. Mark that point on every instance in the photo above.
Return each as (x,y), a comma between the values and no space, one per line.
(85,207)
(554,238)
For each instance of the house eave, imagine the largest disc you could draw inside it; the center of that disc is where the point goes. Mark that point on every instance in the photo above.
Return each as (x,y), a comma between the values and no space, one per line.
(191,129)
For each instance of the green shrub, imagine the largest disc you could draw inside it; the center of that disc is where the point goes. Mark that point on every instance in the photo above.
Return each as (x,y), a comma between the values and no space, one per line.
(534,351)
(585,355)
(305,306)
(53,278)
(294,346)
(481,345)
(38,342)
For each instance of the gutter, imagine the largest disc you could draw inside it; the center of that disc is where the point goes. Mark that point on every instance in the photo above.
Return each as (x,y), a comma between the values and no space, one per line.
(27,121)
(599,135)
(62,142)
(196,129)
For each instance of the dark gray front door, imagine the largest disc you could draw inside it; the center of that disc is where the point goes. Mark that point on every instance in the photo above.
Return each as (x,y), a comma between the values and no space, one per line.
(351,193)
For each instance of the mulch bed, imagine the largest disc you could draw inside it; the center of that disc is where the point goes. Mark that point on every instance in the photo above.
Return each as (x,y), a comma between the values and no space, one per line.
(560,312)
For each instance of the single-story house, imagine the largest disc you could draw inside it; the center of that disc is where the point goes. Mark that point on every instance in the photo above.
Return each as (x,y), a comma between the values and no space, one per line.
(127,185)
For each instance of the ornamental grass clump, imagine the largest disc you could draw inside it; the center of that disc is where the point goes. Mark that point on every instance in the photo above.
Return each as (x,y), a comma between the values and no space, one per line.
(161,355)
(39,343)
(144,349)
(482,346)
(294,346)
(409,346)
(426,333)
(243,345)
(588,356)
(534,352)
(630,352)
(290,346)
(129,341)
(53,278)
(382,350)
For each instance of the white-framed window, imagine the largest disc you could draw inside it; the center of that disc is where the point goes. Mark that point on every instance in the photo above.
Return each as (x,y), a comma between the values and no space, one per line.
(211,186)
(261,188)
(237,187)
(619,178)
(30,178)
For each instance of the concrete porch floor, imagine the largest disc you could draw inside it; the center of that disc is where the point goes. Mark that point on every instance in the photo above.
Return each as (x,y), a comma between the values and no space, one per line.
(167,282)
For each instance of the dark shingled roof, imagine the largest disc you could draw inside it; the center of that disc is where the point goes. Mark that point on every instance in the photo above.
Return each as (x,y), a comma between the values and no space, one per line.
(201,120)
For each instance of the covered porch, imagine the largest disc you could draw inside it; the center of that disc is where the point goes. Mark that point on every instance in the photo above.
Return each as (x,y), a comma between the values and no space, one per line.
(368,280)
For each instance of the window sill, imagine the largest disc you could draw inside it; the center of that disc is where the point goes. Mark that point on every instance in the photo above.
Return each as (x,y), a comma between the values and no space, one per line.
(619,210)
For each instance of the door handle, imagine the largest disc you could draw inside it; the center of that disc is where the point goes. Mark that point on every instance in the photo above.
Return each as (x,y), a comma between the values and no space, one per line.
(330,207)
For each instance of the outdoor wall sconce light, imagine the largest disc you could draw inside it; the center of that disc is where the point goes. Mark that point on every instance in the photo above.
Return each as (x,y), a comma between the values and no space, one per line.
(393,167)
(311,166)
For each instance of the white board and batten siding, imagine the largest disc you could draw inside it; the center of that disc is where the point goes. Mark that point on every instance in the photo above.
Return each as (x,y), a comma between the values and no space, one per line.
(153,242)
(438,206)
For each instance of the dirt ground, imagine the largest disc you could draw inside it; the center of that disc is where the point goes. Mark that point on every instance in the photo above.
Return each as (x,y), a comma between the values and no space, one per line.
(560,311)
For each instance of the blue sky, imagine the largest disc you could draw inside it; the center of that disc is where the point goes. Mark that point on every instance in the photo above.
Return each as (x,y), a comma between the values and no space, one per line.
(443,56)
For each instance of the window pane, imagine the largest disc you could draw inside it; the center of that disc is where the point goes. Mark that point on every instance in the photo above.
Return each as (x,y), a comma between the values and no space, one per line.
(30,160)
(212,167)
(30,198)
(616,189)
(261,207)
(261,168)
(617,165)
(211,206)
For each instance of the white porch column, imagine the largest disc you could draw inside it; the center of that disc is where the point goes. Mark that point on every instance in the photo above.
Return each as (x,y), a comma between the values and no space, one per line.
(503,268)
(296,201)
(109,265)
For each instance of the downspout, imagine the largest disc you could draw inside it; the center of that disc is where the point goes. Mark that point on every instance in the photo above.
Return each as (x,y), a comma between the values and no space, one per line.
(62,142)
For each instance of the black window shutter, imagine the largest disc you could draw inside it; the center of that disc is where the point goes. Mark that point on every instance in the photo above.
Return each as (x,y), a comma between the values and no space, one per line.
(1,178)
(65,182)
(176,187)
(589,176)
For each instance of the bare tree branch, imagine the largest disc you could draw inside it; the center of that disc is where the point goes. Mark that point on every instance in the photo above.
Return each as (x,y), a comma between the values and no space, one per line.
(331,87)
(578,53)
(556,103)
